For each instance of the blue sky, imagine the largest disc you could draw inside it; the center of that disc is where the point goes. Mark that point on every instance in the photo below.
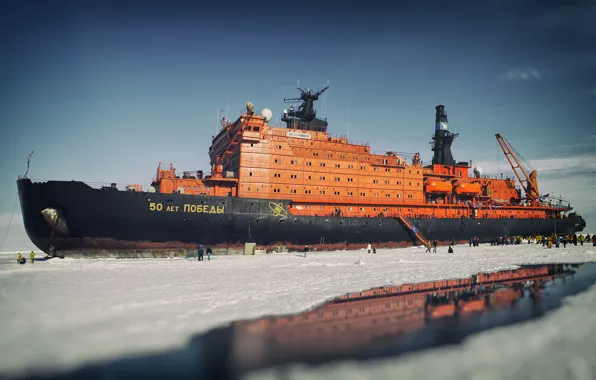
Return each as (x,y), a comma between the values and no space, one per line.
(103,91)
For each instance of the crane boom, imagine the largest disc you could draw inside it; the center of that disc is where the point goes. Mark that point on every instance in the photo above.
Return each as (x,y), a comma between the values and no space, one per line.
(529,180)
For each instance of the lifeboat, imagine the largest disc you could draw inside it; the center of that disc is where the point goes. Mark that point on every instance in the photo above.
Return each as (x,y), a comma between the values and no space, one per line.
(439,187)
(468,188)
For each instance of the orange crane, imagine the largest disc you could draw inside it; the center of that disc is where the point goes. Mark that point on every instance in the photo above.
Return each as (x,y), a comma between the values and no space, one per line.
(529,181)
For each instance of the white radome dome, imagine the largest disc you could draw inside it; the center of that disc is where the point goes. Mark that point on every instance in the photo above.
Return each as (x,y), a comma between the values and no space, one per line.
(477,171)
(267,114)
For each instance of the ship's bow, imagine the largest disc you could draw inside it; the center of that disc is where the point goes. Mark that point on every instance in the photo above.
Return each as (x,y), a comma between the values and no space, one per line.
(32,200)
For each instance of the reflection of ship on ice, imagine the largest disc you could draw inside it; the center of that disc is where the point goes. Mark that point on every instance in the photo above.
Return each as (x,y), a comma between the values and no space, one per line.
(382,318)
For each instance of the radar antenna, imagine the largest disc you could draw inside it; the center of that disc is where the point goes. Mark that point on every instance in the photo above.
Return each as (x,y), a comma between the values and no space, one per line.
(305,116)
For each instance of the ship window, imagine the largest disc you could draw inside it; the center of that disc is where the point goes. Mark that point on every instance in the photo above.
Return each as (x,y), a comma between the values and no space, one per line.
(350,179)
(249,189)
(398,195)
(293,162)
(387,170)
(459,173)
(330,155)
(350,167)
(362,194)
(322,178)
(251,144)
(362,168)
(386,182)
(256,129)
(409,195)
(350,193)
(341,156)
(375,181)
(277,161)
(337,179)
(293,191)
(336,193)
(378,160)
(247,128)
(385,161)
(374,209)
(410,183)
(418,172)
(376,169)
(315,154)
(349,208)
(399,182)
(308,163)
(278,146)
(322,164)
(293,176)
(362,209)
(309,177)
(376,194)
(306,191)
(417,183)
(337,165)
(388,195)
(387,209)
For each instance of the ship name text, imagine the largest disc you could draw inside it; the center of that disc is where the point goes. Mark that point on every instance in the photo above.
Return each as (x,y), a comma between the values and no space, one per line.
(299,135)
(205,209)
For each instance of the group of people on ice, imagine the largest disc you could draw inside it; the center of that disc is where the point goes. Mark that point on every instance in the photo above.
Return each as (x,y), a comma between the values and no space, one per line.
(201,252)
(546,241)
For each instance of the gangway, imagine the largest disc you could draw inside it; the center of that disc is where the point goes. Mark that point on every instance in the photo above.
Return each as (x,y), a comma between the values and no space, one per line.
(408,224)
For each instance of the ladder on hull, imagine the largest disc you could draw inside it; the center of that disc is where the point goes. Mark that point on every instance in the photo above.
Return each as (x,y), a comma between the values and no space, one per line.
(406,222)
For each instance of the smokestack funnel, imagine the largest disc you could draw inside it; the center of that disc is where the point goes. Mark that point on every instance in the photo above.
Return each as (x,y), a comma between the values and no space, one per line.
(441,118)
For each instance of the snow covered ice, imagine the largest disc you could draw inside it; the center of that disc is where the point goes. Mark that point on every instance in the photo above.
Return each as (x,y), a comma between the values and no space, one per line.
(63,313)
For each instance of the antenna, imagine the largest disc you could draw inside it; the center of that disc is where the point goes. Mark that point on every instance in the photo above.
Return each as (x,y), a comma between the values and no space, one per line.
(348,123)
(227,105)
(325,101)
(298,85)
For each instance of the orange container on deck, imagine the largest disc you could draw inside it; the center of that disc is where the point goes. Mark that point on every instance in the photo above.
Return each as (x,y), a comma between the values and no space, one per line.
(468,188)
(439,187)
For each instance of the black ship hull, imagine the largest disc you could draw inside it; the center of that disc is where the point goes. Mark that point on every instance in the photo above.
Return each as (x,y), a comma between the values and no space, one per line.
(83,221)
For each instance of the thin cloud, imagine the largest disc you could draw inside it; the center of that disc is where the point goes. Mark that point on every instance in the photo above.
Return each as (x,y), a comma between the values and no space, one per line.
(559,166)
(526,73)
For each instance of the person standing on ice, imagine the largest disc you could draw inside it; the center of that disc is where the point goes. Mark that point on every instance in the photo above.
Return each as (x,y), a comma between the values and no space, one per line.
(209,253)
(369,247)
(305,250)
(435,243)
(200,252)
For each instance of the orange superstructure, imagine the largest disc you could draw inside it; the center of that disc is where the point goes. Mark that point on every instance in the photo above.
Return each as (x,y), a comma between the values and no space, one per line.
(315,173)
